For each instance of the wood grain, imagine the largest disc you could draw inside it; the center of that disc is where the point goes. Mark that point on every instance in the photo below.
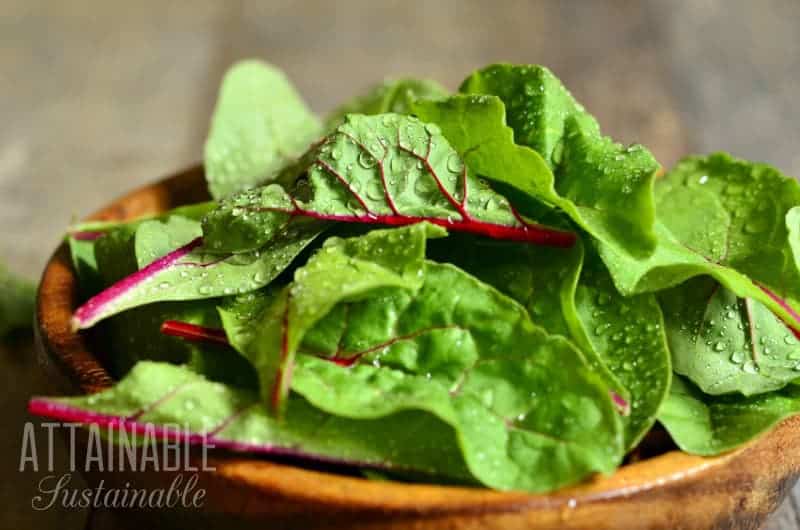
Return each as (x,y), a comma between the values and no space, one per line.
(101,97)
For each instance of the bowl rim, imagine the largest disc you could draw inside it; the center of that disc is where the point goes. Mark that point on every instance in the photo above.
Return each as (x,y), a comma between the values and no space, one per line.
(73,359)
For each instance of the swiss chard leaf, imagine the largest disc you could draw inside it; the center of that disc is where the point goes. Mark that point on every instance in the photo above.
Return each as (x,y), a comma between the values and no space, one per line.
(92,230)
(469,355)
(539,106)
(343,270)
(260,125)
(528,411)
(725,218)
(162,401)
(622,338)
(390,96)
(709,425)
(16,302)
(191,272)
(81,250)
(82,238)
(726,344)
(606,188)
(386,169)
(127,249)
(628,335)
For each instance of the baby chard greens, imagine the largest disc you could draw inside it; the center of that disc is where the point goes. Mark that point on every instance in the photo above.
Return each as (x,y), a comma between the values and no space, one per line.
(343,270)
(191,272)
(391,96)
(622,339)
(428,335)
(710,425)
(726,344)
(387,169)
(155,397)
(440,350)
(562,158)
(260,124)
(722,217)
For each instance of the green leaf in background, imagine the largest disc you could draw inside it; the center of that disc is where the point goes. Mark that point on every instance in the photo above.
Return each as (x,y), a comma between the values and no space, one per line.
(192,273)
(386,169)
(390,96)
(709,425)
(17,298)
(606,205)
(722,217)
(260,125)
(343,270)
(726,344)
(529,413)
(605,187)
(232,418)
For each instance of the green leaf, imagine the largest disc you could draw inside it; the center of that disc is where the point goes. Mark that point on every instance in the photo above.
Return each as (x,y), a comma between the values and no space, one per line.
(191,272)
(615,206)
(726,344)
(81,251)
(162,400)
(390,96)
(793,227)
(628,336)
(343,270)
(709,425)
(260,125)
(621,338)
(539,106)
(461,350)
(82,237)
(135,335)
(544,280)
(604,187)
(387,169)
(725,218)
(17,297)
(91,230)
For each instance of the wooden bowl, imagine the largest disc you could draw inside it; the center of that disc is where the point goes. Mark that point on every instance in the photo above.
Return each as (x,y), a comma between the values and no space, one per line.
(670,491)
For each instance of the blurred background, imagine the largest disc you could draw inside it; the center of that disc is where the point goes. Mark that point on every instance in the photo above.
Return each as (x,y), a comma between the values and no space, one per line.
(99,97)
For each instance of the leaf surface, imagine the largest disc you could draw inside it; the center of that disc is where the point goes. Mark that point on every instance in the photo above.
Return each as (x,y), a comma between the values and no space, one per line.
(163,401)
(386,169)
(343,270)
(709,425)
(128,248)
(604,187)
(469,355)
(621,338)
(191,272)
(722,217)
(259,126)
(726,344)
(394,96)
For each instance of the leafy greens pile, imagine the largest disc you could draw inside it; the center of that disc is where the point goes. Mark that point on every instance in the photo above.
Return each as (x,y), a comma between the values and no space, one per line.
(475,287)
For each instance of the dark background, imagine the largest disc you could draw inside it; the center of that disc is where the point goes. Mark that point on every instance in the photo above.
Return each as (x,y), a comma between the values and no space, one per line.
(99,97)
